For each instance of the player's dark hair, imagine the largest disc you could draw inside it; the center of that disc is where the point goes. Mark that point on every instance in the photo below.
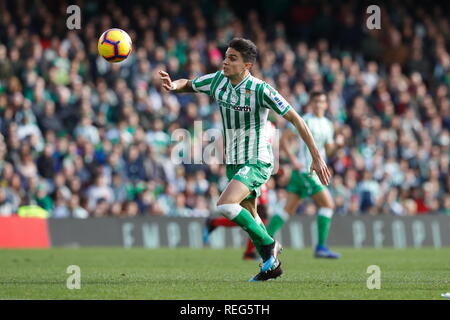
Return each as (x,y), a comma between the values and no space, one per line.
(316,93)
(246,48)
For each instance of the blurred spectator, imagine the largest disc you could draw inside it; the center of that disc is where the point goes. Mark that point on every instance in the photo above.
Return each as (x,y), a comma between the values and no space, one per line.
(76,211)
(48,120)
(87,131)
(369,192)
(392,205)
(60,210)
(180,209)
(43,200)
(201,207)
(46,163)
(135,164)
(99,192)
(82,137)
(100,208)
(7,207)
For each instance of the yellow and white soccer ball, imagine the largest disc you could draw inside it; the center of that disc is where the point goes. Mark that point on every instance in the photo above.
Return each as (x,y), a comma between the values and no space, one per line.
(114,45)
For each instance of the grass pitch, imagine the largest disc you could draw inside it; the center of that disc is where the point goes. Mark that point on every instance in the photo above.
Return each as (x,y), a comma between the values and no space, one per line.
(191,274)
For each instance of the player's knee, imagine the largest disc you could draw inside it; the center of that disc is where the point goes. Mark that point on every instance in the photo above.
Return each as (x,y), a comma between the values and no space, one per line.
(329,202)
(222,201)
(229,210)
(290,210)
(325,211)
(328,205)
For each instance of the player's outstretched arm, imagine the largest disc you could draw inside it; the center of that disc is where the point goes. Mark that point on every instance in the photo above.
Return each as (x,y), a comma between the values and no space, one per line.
(318,164)
(180,85)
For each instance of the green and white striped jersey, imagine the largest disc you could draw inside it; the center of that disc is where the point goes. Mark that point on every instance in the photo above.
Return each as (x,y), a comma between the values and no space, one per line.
(323,133)
(244,109)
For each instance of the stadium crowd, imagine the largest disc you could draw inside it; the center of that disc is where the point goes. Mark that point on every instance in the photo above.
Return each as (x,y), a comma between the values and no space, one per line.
(82,137)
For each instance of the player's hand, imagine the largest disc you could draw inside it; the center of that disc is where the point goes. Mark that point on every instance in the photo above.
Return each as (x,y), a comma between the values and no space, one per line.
(166,81)
(320,167)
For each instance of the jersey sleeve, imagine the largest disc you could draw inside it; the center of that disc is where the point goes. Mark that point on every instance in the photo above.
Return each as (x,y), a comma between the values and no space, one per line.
(273,100)
(203,83)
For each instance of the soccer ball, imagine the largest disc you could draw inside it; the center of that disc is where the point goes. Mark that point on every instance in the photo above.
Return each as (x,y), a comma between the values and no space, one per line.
(114,45)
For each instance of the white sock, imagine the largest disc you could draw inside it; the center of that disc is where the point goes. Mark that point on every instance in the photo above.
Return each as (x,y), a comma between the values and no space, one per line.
(283,215)
(325,212)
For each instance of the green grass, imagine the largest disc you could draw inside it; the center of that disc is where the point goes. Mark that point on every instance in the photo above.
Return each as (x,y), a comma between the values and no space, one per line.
(116,273)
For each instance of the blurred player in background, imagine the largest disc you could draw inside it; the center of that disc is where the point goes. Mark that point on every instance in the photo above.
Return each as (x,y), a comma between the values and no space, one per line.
(244,102)
(302,184)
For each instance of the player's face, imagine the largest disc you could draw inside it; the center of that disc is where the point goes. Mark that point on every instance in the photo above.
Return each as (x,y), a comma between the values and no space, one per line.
(233,64)
(320,104)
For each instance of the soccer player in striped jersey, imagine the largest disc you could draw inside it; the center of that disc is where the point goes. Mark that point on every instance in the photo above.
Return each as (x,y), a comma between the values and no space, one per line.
(303,185)
(244,103)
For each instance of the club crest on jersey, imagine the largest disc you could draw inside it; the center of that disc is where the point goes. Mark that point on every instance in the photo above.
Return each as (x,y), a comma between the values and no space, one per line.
(247,93)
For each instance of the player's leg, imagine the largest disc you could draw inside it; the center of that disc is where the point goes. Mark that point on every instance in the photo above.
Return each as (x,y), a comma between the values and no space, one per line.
(257,205)
(280,218)
(221,221)
(212,223)
(262,202)
(250,205)
(245,181)
(296,191)
(229,206)
(325,203)
(250,250)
